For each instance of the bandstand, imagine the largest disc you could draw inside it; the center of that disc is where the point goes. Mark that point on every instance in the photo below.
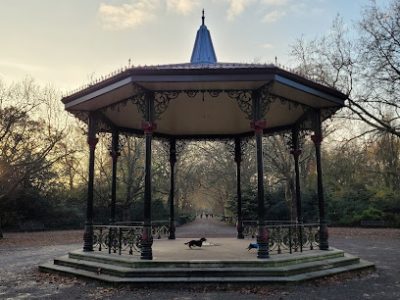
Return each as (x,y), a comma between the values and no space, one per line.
(204,100)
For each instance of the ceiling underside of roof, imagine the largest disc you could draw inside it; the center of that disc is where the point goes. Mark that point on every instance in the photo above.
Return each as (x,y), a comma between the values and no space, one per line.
(203,105)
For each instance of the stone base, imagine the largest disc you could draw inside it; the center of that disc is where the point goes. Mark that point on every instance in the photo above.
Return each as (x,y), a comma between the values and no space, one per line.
(177,269)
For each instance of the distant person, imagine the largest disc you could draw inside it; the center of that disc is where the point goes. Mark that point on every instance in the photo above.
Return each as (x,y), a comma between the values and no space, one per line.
(201,216)
(206,216)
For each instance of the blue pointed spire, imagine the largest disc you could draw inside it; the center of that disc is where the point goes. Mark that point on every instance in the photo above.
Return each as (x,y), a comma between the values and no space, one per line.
(203,50)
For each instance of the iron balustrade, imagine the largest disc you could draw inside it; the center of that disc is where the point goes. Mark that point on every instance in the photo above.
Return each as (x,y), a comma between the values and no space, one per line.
(159,228)
(286,237)
(125,238)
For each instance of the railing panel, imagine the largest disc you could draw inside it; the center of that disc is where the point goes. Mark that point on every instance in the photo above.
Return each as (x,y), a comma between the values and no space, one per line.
(286,237)
(117,239)
(125,238)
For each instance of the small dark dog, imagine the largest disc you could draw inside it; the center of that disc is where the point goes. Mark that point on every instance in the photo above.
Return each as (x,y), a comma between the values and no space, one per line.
(197,243)
(252,246)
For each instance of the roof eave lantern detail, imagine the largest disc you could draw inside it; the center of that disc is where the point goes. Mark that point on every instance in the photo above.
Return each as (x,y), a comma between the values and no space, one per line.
(203,50)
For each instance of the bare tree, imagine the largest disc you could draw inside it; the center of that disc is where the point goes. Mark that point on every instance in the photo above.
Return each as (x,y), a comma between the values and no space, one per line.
(365,68)
(30,142)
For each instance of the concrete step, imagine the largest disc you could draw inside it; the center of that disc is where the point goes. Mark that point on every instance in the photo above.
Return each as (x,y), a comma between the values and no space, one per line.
(361,265)
(135,262)
(229,269)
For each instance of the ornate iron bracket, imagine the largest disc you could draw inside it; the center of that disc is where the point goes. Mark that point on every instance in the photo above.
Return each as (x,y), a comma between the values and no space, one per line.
(288,136)
(180,146)
(137,98)
(140,101)
(163,98)
(265,97)
(245,101)
(243,98)
(328,112)
(161,101)
(288,102)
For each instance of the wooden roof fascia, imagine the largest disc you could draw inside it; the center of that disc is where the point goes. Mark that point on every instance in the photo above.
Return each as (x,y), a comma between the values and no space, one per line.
(144,90)
(308,90)
(96,93)
(135,75)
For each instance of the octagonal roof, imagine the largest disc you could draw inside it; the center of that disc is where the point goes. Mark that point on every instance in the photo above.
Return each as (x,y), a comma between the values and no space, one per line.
(203,98)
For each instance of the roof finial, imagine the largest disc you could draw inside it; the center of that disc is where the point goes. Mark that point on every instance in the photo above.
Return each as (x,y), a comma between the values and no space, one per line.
(202,18)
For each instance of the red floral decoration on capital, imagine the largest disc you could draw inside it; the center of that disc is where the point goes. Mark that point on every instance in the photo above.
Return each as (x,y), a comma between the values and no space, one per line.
(148,127)
(258,125)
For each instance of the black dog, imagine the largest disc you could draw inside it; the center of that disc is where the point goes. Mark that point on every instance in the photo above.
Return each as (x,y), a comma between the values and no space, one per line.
(197,243)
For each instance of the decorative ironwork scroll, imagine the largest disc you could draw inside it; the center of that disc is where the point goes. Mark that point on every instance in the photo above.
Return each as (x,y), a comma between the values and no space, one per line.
(243,143)
(266,99)
(285,238)
(179,146)
(140,101)
(213,93)
(243,97)
(288,102)
(81,115)
(125,238)
(160,229)
(288,137)
(305,128)
(229,146)
(250,229)
(244,100)
(137,98)
(162,98)
(191,93)
(328,112)
(161,101)
(311,236)
(117,239)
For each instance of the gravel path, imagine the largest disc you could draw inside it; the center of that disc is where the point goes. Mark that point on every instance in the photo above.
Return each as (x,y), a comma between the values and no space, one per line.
(206,227)
(19,278)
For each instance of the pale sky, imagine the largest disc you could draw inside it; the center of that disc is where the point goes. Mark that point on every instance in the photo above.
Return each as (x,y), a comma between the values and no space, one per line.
(67,42)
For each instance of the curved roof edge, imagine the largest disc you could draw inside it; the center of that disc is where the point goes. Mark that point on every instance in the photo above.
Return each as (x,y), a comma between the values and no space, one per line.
(203,69)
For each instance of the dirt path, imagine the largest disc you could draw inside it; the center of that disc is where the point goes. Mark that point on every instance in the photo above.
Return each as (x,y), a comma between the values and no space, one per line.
(20,254)
(206,227)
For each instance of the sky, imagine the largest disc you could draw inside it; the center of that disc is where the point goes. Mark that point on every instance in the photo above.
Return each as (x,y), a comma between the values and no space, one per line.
(67,43)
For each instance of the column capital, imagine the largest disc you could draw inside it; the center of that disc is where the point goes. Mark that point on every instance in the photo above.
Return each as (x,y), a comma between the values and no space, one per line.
(238,155)
(317,139)
(115,154)
(238,158)
(295,152)
(148,127)
(172,151)
(258,125)
(92,141)
(238,150)
(172,158)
